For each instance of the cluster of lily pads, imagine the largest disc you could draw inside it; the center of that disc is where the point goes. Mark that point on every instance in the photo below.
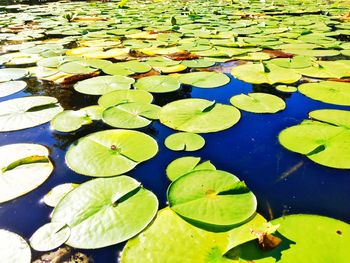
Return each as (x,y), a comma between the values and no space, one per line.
(124,53)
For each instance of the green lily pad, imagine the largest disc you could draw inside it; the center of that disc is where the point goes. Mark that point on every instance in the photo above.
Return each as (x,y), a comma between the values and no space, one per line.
(327,91)
(325,140)
(24,167)
(304,239)
(22,113)
(313,52)
(185,165)
(49,237)
(55,195)
(186,243)
(131,115)
(286,88)
(13,248)
(184,141)
(11,87)
(258,102)
(103,84)
(295,62)
(265,73)
(215,199)
(110,152)
(157,84)
(198,116)
(204,79)
(127,68)
(76,67)
(327,69)
(125,96)
(105,211)
(253,56)
(198,63)
(69,120)
(7,74)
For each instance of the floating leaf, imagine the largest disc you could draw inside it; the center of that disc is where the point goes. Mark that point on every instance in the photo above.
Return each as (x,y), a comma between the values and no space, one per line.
(258,102)
(213,199)
(127,68)
(185,165)
(295,62)
(184,141)
(125,96)
(57,193)
(105,211)
(22,113)
(189,115)
(285,88)
(157,84)
(130,115)
(11,87)
(204,79)
(7,74)
(327,69)
(24,167)
(110,152)
(13,248)
(198,63)
(103,84)
(325,141)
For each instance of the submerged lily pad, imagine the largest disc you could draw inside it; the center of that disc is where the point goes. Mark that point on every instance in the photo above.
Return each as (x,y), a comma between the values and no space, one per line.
(198,116)
(23,167)
(110,152)
(325,140)
(184,141)
(185,165)
(103,84)
(55,195)
(105,211)
(131,115)
(204,79)
(22,113)
(158,84)
(13,248)
(215,199)
(11,87)
(258,102)
(327,91)
(125,96)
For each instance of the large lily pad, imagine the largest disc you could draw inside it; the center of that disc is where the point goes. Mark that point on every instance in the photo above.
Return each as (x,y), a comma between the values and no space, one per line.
(125,96)
(198,116)
(7,74)
(184,141)
(204,79)
(11,87)
(131,115)
(327,69)
(215,199)
(13,248)
(22,113)
(258,102)
(105,211)
(103,84)
(158,84)
(326,140)
(328,91)
(110,152)
(24,167)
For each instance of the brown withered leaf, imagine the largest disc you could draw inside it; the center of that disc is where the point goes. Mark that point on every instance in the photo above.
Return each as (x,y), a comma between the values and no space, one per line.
(266,241)
(63,255)
(152,72)
(278,53)
(185,55)
(75,78)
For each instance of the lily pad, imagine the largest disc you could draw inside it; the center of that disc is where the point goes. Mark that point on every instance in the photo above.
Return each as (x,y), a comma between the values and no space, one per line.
(103,84)
(184,141)
(204,79)
(327,69)
(110,152)
(198,116)
(11,87)
(13,248)
(258,102)
(295,62)
(131,115)
(215,199)
(76,67)
(55,195)
(49,237)
(286,88)
(265,73)
(198,63)
(157,84)
(127,68)
(7,74)
(328,91)
(124,96)
(69,120)
(185,165)
(24,167)
(22,113)
(325,140)
(105,211)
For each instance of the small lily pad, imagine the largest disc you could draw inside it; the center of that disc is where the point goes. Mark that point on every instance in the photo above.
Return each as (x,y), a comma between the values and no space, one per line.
(55,195)
(286,88)
(157,84)
(258,102)
(124,96)
(13,248)
(184,141)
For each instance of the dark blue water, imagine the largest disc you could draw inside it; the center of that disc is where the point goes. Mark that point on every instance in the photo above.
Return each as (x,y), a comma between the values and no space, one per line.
(250,150)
